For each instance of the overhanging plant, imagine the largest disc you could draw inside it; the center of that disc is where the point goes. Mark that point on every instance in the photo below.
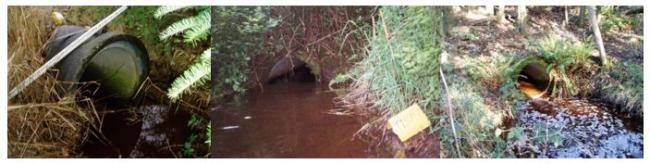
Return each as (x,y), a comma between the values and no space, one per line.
(194,29)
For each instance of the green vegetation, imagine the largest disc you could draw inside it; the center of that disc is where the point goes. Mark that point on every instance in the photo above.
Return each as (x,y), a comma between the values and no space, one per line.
(612,20)
(196,124)
(175,36)
(479,117)
(621,85)
(568,61)
(481,121)
(197,74)
(485,92)
(194,29)
(478,121)
(240,32)
(401,66)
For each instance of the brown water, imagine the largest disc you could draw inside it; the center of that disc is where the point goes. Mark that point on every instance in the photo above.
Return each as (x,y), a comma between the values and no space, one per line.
(287,119)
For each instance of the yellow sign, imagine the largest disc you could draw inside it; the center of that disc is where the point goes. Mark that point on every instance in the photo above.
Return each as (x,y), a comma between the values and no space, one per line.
(409,122)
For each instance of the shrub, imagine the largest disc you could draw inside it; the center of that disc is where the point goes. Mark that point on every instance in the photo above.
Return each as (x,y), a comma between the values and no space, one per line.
(239,30)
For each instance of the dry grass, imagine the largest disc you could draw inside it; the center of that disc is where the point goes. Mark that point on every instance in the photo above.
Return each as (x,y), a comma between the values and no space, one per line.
(42,122)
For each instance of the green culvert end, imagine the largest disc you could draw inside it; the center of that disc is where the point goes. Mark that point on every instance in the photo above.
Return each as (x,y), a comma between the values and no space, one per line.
(119,68)
(118,62)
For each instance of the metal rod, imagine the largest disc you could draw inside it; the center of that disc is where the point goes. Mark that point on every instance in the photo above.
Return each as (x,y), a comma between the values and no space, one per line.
(63,53)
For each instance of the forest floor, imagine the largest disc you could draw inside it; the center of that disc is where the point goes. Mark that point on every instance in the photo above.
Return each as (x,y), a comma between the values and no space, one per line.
(480,39)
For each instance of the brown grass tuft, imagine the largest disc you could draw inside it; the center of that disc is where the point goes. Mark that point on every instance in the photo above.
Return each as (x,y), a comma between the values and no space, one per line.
(42,122)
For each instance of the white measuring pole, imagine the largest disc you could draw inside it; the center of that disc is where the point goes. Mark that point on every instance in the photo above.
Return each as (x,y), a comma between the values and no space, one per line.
(59,56)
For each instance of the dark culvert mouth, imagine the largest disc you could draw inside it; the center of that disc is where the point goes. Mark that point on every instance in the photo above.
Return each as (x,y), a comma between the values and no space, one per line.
(290,69)
(533,80)
(117,62)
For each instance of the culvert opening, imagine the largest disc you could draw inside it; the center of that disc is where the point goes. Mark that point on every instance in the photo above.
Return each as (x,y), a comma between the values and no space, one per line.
(533,80)
(290,69)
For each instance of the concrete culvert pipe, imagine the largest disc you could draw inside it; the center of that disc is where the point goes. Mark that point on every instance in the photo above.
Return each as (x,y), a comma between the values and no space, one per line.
(290,68)
(533,79)
(118,62)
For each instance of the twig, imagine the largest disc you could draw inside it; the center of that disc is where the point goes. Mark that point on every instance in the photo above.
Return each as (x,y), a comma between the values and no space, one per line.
(451,111)
(444,82)
(35,105)
(325,37)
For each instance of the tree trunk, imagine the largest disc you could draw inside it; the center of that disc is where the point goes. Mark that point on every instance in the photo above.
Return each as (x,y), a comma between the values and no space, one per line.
(490,10)
(522,18)
(566,16)
(447,20)
(599,39)
(501,12)
(582,17)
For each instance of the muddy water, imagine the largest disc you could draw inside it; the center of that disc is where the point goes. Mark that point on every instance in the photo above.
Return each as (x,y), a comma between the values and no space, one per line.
(147,131)
(286,119)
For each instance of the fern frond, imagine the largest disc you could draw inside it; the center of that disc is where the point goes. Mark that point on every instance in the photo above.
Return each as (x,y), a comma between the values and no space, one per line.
(201,31)
(195,75)
(164,10)
(178,27)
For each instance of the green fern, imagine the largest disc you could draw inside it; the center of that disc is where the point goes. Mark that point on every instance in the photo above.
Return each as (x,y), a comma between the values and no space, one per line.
(195,75)
(201,31)
(164,10)
(194,29)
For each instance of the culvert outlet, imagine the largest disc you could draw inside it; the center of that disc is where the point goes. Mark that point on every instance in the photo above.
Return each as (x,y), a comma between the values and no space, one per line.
(119,63)
(290,68)
(533,79)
